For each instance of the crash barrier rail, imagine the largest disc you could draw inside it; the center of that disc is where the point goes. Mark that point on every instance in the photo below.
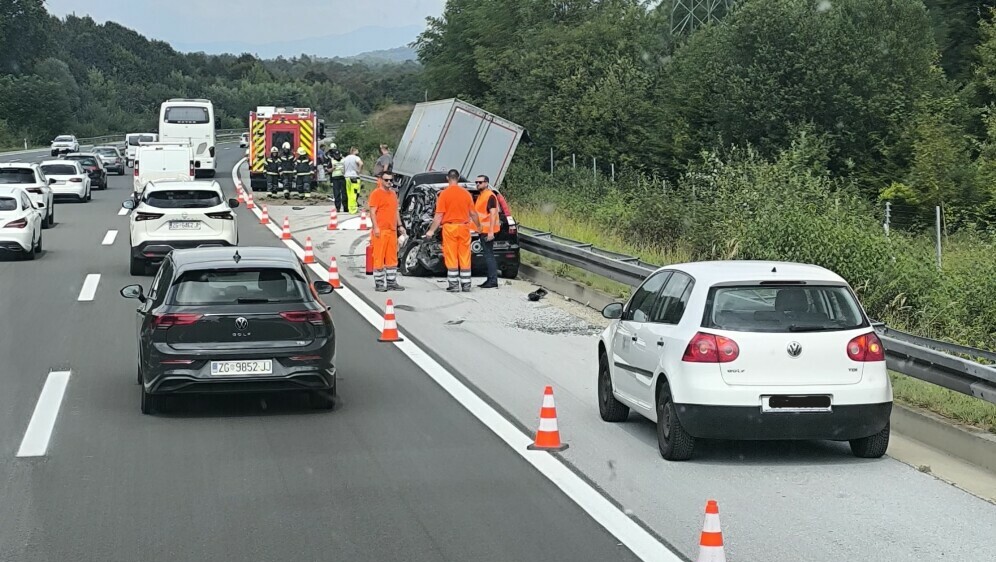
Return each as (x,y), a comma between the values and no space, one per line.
(952,366)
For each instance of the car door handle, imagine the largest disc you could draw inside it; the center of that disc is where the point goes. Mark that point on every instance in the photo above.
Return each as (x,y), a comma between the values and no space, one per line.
(660,342)
(634,338)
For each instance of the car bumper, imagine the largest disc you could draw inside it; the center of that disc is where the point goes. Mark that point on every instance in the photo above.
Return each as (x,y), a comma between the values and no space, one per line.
(156,250)
(62,149)
(67,191)
(842,423)
(196,378)
(16,243)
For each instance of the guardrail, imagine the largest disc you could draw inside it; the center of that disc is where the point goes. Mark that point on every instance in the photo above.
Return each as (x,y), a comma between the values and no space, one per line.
(949,365)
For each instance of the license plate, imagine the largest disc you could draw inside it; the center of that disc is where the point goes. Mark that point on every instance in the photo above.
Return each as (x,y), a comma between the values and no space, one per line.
(184,225)
(796,403)
(238,368)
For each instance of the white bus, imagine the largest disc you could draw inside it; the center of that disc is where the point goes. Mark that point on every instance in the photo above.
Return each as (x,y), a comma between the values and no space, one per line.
(190,121)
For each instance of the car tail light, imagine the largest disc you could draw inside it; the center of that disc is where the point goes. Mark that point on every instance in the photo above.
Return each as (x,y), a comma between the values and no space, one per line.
(19,223)
(315,317)
(164,321)
(76,180)
(224,215)
(136,168)
(710,348)
(513,229)
(35,190)
(142,216)
(193,172)
(866,347)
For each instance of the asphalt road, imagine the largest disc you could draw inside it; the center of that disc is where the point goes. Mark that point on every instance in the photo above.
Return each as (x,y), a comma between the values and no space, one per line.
(398,471)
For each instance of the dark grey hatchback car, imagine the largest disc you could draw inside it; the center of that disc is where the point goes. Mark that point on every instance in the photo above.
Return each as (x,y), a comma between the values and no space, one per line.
(229,320)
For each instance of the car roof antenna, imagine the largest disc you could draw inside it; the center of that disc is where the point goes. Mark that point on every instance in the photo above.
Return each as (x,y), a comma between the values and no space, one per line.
(237,258)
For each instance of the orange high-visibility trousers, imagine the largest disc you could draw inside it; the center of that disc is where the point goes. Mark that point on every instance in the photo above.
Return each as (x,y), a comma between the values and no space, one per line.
(385,249)
(456,246)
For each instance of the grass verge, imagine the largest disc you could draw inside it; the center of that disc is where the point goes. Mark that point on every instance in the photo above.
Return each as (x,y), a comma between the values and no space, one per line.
(947,403)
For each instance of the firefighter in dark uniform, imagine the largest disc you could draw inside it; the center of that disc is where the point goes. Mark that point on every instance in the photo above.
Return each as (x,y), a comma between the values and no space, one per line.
(304,171)
(272,165)
(287,173)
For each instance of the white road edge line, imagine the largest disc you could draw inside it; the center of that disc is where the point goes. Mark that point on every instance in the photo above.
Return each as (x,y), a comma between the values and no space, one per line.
(39,432)
(122,211)
(643,544)
(109,237)
(89,287)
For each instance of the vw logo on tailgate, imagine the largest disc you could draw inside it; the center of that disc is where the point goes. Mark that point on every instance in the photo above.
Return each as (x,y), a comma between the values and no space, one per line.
(794,349)
(241,323)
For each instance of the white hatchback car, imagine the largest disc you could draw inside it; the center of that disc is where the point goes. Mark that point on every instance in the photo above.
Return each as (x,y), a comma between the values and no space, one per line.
(179,214)
(20,223)
(30,178)
(70,179)
(746,350)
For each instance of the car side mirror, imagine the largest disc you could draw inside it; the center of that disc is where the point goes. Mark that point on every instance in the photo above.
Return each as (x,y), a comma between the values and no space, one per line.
(128,203)
(613,311)
(323,287)
(51,181)
(39,205)
(233,203)
(133,292)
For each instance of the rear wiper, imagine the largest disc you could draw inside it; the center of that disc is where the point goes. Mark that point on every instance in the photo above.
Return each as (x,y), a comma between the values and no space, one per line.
(251,300)
(794,328)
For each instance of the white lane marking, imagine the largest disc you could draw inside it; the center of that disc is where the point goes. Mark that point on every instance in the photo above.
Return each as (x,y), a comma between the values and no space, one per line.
(122,211)
(109,237)
(39,432)
(643,544)
(89,287)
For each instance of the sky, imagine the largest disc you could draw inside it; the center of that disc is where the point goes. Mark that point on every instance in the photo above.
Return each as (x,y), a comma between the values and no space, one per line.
(212,25)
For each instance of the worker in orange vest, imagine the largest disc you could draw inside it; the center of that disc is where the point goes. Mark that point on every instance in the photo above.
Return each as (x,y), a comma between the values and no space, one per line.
(383,204)
(454,212)
(487,212)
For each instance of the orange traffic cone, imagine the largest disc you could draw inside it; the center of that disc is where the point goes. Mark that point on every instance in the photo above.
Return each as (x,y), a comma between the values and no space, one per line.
(548,436)
(333,220)
(265,217)
(369,259)
(238,190)
(249,202)
(390,333)
(711,541)
(286,235)
(334,274)
(363,220)
(309,251)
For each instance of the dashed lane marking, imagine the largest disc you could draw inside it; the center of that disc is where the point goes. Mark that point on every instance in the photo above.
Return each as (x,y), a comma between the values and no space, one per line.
(89,287)
(109,237)
(39,432)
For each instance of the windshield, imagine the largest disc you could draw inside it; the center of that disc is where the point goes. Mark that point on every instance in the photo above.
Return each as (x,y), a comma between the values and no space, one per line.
(59,170)
(791,308)
(134,141)
(17,175)
(8,204)
(183,199)
(187,115)
(244,286)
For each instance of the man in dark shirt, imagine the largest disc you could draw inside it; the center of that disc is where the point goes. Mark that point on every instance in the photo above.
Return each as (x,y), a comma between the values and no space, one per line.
(385,163)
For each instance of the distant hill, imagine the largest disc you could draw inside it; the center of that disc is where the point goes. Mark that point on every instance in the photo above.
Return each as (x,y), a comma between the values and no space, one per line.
(385,56)
(356,43)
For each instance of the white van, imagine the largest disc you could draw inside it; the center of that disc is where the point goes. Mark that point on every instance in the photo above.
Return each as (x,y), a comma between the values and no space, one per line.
(132,140)
(162,161)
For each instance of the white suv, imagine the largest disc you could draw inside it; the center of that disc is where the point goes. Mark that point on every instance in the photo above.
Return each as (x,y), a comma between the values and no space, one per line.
(746,350)
(179,214)
(31,178)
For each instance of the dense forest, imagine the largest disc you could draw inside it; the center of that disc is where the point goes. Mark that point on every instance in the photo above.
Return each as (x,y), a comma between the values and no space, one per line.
(75,75)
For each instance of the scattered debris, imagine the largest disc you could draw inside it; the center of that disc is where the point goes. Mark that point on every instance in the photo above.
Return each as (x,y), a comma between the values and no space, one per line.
(405,307)
(537,294)
(454,322)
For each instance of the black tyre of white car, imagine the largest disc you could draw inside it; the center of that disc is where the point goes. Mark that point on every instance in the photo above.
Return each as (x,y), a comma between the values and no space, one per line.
(137,266)
(410,265)
(38,247)
(611,409)
(871,447)
(51,216)
(674,442)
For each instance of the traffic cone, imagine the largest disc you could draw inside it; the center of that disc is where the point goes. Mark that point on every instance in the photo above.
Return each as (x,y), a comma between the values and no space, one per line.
(286,235)
(265,218)
(309,251)
(363,221)
(333,220)
(370,259)
(711,541)
(238,190)
(547,436)
(390,332)
(249,203)
(334,274)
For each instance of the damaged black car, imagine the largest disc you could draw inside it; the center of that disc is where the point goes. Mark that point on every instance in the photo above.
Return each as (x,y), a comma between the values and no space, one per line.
(420,257)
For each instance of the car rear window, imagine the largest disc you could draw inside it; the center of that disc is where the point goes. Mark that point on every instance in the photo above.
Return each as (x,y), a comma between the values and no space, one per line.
(85,160)
(8,204)
(783,308)
(134,141)
(183,199)
(59,170)
(239,286)
(186,114)
(63,139)
(106,151)
(17,175)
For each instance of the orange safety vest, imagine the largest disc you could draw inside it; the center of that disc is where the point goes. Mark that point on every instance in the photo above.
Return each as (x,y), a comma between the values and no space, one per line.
(482,211)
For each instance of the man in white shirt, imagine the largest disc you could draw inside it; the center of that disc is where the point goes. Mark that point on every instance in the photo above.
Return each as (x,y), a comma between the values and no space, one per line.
(352,168)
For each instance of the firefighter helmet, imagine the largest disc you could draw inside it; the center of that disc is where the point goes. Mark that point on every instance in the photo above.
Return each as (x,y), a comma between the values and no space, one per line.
(332,146)
(286,146)
(301,151)
(274,150)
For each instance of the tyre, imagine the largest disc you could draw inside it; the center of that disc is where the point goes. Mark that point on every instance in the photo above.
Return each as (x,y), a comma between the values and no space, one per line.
(510,271)
(322,399)
(611,409)
(152,403)
(51,216)
(871,447)
(55,152)
(137,266)
(89,194)
(674,442)
(409,263)
(38,246)
(33,252)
